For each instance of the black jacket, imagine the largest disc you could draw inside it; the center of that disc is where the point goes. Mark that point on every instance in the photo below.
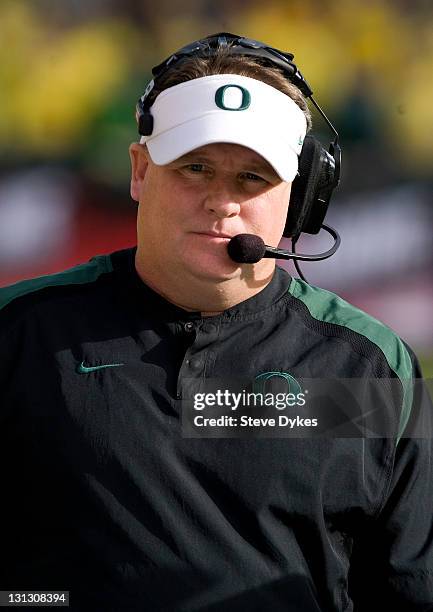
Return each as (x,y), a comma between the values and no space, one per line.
(104,497)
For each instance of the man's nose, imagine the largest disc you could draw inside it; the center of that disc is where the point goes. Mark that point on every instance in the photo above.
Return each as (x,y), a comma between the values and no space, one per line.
(223,200)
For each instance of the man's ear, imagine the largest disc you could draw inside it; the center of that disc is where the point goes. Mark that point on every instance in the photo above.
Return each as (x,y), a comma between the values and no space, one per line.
(139,164)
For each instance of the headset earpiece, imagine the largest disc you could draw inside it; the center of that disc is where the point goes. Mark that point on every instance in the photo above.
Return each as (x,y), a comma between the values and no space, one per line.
(144,119)
(303,187)
(311,189)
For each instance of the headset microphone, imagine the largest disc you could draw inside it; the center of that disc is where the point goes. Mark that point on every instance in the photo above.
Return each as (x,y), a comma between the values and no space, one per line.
(248,248)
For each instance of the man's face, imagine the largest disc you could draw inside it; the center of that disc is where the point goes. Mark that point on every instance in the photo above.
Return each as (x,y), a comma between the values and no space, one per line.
(190,208)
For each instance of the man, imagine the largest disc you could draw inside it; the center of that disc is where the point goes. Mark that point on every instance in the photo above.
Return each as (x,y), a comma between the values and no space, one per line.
(105,494)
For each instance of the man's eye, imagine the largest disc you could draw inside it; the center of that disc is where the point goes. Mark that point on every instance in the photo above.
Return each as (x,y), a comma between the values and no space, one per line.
(195,167)
(249,176)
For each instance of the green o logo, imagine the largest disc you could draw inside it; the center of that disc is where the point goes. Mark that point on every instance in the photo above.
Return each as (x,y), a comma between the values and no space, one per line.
(262,380)
(232,98)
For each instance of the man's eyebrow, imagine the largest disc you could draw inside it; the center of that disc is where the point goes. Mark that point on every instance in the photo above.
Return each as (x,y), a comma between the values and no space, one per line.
(197,157)
(261,167)
(203,158)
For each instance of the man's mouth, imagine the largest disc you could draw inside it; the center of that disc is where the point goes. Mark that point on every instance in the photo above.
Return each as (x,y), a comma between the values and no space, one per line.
(211,234)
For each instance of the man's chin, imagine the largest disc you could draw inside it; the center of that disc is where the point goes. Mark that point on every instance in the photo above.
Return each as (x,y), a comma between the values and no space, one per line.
(216,273)
(214,269)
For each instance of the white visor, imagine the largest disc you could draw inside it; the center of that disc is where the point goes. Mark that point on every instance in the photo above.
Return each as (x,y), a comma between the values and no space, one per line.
(227,108)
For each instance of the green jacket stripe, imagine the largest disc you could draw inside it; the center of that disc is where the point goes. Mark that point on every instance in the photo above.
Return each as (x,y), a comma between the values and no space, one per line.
(83,273)
(328,307)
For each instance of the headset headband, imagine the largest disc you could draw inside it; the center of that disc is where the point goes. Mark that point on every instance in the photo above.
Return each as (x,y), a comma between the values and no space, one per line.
(239,46)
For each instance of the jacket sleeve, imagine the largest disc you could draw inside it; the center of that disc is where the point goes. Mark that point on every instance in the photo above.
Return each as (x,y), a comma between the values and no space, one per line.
(8,374)
(392,557)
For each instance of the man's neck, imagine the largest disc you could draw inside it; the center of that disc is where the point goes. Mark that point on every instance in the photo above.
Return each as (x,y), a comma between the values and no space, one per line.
(208,296)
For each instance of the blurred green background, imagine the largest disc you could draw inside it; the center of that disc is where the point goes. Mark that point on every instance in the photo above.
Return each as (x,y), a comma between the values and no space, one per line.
(71,72)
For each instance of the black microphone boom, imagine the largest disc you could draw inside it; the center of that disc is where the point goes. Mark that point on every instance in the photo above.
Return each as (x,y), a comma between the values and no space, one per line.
(248,248)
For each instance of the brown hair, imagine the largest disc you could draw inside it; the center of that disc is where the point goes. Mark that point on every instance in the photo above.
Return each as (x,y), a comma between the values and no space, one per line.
(223,62)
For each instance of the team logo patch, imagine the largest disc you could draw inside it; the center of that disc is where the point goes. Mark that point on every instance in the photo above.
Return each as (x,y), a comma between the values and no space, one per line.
(232,98)
(273,381)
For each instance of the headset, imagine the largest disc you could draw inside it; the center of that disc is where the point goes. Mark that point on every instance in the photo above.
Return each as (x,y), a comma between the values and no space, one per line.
(319,169)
